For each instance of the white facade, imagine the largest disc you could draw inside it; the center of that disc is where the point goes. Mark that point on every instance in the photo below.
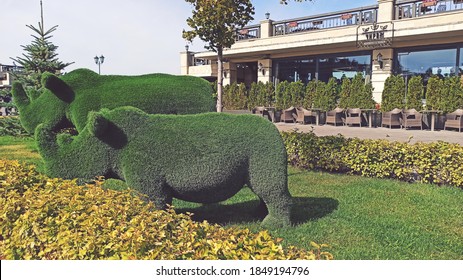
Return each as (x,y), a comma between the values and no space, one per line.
(401,26)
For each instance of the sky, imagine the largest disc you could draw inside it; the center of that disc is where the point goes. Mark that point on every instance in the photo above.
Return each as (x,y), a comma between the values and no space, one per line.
(136,37)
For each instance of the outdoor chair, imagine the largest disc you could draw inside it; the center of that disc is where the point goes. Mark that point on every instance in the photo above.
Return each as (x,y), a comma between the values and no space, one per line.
(303,115)
(288,115)
(392,118)
(260,111)
(412,118)
(335,117)
(354,116)
(454,120)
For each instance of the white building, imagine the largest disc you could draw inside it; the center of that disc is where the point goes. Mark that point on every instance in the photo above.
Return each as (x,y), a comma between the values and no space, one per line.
(408,37)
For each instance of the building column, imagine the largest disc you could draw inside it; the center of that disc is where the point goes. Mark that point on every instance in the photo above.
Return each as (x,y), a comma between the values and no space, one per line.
(266,28)
(385,10)
(185,62)
(264,70)
(229,73)
(381,71)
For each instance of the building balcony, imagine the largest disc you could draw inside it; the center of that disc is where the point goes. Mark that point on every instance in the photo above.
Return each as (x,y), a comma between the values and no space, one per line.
(409,20)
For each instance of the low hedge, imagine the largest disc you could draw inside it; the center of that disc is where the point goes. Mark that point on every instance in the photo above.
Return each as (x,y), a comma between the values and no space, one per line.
(44,218)
(435,163)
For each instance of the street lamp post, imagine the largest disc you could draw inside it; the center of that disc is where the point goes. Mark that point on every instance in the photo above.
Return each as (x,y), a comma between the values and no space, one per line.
(99,61)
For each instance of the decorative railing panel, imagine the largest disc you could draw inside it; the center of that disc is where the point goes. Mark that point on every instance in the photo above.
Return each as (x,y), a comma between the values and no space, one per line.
(247,33)
(366,15)
(413,8)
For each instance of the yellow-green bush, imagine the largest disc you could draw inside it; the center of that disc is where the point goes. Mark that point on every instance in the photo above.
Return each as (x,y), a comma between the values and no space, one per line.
(436,163)
(44,218)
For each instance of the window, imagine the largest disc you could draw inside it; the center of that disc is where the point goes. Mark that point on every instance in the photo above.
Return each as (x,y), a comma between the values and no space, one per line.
(344,66)
(293,70)
(426,62)
(322,67)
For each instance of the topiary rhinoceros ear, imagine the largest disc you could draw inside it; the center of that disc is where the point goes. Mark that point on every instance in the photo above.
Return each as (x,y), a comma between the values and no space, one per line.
(58,87)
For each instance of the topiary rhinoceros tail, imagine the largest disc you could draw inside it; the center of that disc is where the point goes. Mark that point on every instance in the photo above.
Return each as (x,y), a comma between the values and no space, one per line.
(66,101)
(203,158)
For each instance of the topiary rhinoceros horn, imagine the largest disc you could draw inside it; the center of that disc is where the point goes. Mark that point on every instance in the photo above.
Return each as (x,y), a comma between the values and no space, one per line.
(66,101)
(204,158)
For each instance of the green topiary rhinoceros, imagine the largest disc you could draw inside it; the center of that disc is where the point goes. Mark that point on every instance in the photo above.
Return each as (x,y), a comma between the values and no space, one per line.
(202,158)
(66,101)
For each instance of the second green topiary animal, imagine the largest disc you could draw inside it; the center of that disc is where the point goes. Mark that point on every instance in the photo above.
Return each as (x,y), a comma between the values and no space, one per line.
(65,102)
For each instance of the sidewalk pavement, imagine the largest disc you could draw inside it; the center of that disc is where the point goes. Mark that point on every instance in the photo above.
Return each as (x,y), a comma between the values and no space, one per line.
(395,134)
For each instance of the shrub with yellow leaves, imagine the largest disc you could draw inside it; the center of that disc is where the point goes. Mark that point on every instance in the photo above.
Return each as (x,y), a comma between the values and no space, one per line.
(45,218)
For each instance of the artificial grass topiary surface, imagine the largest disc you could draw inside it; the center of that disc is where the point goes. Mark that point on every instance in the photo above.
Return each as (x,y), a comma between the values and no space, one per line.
(70,98)
(203,158)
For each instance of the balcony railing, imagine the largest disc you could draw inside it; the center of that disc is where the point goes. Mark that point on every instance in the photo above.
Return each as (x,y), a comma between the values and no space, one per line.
(249,32)
(413,8)
(364,15)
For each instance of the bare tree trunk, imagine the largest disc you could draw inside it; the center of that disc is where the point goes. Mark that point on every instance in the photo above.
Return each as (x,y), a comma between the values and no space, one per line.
(219,78)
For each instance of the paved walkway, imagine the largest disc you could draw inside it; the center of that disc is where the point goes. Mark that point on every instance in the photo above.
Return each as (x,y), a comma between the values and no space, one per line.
(395,134)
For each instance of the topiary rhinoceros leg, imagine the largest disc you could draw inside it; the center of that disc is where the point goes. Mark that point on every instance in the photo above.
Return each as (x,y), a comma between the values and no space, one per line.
(270,185)
(155,189)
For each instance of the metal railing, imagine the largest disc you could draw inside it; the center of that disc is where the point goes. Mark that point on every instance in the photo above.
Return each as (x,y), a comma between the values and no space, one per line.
(358,16)
(247,33)
(416,8)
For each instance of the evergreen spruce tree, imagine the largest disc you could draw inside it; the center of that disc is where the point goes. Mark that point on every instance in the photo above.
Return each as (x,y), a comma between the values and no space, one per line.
(39,56)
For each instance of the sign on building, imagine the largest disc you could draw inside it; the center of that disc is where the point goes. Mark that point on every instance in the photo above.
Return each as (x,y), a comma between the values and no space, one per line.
(375,36)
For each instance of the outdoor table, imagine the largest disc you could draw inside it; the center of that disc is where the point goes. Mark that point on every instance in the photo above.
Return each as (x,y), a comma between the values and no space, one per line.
(317,112)
(271,112)
(369,113)
(433,114)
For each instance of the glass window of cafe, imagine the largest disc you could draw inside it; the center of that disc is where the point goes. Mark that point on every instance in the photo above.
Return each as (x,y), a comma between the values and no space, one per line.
(427,62)
(322,68)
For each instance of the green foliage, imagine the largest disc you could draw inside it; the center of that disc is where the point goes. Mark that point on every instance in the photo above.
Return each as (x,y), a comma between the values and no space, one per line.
(415,93)
(261,94)
(282,99)
(53,219)
(209,24)
(11,126)
(295,92)
(361,94)
(70,98)
(326,95)
(235,97)
(344,99)
(289,94)
(40,56)
(452,94)
(434,96)
(355,93)
(393,93)
(436,163)
(166,156)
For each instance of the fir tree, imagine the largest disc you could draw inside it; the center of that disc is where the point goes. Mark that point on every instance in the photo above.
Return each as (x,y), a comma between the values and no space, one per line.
(39,56)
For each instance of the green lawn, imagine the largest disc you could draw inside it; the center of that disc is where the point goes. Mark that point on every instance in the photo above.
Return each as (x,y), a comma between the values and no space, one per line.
(361,218)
